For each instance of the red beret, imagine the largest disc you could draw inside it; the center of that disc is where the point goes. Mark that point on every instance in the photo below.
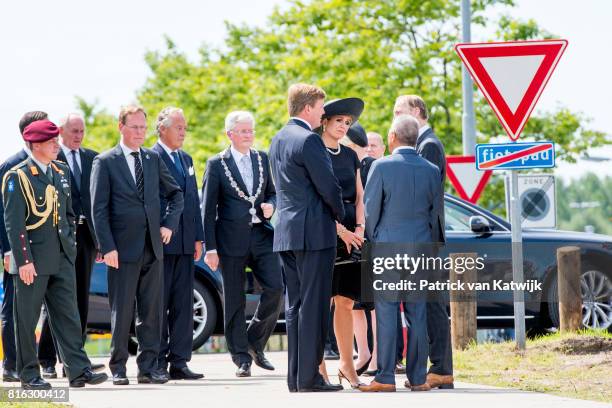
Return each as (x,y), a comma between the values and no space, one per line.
(40,131)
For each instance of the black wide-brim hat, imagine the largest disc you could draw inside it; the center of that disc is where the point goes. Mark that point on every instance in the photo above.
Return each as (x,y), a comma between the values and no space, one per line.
(358,135)
(346,106)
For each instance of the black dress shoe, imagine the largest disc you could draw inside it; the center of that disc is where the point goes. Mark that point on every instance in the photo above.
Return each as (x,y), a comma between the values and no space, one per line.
(244,370)
(49,372)
(329,354)
(88,377)
(260,360)
(35,383)
(10,376)
(120,379)
(323,387)
(152,378)
(97,367)
(184,373)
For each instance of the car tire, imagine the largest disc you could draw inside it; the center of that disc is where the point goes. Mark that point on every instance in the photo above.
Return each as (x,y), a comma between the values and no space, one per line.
(204,314)
(591,276)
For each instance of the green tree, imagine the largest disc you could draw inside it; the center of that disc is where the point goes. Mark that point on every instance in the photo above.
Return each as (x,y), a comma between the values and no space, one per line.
(585,201)
(375,50)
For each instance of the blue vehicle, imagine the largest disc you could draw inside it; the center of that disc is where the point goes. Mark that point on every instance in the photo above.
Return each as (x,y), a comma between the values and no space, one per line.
(467,226)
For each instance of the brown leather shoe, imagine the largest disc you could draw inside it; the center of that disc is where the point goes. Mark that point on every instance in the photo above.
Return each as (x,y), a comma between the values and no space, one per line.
(422,387)
(377,387)
(440,381)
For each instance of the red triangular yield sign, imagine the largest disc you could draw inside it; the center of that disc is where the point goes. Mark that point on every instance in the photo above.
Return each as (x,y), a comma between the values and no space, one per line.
(468,181)
(512,76)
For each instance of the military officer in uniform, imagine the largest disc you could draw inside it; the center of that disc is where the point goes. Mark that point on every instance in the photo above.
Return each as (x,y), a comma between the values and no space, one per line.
(40,226)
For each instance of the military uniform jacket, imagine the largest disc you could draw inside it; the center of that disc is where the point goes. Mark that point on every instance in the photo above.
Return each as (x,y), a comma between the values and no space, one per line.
(40,223)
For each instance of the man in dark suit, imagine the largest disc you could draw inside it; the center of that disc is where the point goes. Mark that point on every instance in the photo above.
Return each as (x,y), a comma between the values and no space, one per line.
(238,199)
(406,187)
(41,229)
(126,184)
(79,160)
(309,204)
(9,364)
(430,147)
(184,248)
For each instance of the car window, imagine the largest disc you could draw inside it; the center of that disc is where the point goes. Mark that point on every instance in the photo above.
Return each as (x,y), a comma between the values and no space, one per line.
(457,218)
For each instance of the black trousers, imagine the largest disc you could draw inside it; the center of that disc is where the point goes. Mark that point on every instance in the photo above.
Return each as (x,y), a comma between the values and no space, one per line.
(308,276)
(267,269)
(85,259)
(58,293)
(177,316)
(136,285)
(8,326)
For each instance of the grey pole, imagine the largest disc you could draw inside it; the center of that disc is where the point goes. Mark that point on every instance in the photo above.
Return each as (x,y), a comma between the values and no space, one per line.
(468,122)
(517,262)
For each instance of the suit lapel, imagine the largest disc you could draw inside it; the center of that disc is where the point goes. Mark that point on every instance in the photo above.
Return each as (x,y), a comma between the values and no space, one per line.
(85,166)
(124,168)
(255,166)
(233,168)
(424,136)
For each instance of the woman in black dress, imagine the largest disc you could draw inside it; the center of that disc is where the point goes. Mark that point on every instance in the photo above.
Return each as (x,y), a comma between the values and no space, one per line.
(346,287)
(357,139)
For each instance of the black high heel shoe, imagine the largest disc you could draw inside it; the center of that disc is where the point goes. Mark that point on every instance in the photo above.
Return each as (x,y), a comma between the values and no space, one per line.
(364,367)
(341,377)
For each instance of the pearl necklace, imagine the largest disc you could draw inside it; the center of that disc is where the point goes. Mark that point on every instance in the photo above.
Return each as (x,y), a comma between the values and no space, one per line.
(234,184)
(335,153)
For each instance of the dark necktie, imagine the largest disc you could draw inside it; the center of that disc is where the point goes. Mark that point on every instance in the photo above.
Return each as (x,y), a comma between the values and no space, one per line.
(49,174)
(139,175)
(76,170)
(177,163)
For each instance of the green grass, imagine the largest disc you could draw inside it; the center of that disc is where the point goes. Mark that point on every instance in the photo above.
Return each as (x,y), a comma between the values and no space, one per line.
(576,365)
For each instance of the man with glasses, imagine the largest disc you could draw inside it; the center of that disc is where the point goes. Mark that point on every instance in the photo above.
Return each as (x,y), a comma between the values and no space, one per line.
(238,201)
(126,185)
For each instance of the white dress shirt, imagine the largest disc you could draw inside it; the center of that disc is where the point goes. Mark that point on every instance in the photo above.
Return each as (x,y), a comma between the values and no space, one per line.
(397,149)
(166,148)
(127,152)
(301,120)
(422,130)
(70,158)
(238,157)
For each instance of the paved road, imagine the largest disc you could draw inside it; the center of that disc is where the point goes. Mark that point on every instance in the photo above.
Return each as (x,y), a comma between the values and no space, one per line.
(268,389)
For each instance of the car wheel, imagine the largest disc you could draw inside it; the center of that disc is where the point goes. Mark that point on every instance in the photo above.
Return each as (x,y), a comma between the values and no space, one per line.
(204,314)
(596,289)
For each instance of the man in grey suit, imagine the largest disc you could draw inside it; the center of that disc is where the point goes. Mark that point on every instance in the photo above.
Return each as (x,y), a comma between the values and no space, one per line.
(402,205)
(126,185)
(430,147)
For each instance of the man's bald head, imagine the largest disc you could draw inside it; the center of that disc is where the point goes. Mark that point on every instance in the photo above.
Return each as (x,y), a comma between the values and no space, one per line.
(376,145)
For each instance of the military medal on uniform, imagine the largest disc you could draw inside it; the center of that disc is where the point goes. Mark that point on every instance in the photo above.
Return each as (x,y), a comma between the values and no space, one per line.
(250,198)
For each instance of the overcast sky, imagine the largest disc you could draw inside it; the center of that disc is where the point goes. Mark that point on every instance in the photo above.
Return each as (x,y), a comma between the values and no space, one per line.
(55,50)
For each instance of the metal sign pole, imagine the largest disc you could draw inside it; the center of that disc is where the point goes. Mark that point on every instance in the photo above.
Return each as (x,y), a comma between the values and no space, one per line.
(468,122)
(517,263)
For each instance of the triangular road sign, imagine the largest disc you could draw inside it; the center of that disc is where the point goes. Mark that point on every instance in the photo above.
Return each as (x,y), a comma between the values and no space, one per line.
(512,76)
(468,181)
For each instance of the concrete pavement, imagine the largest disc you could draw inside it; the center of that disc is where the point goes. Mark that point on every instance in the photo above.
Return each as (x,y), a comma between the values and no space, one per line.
(220,388)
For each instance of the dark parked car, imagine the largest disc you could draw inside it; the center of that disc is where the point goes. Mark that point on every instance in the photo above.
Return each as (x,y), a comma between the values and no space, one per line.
(467,226)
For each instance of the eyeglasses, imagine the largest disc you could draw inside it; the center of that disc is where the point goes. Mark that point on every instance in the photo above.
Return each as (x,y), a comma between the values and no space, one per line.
(137,128)
(244,132)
